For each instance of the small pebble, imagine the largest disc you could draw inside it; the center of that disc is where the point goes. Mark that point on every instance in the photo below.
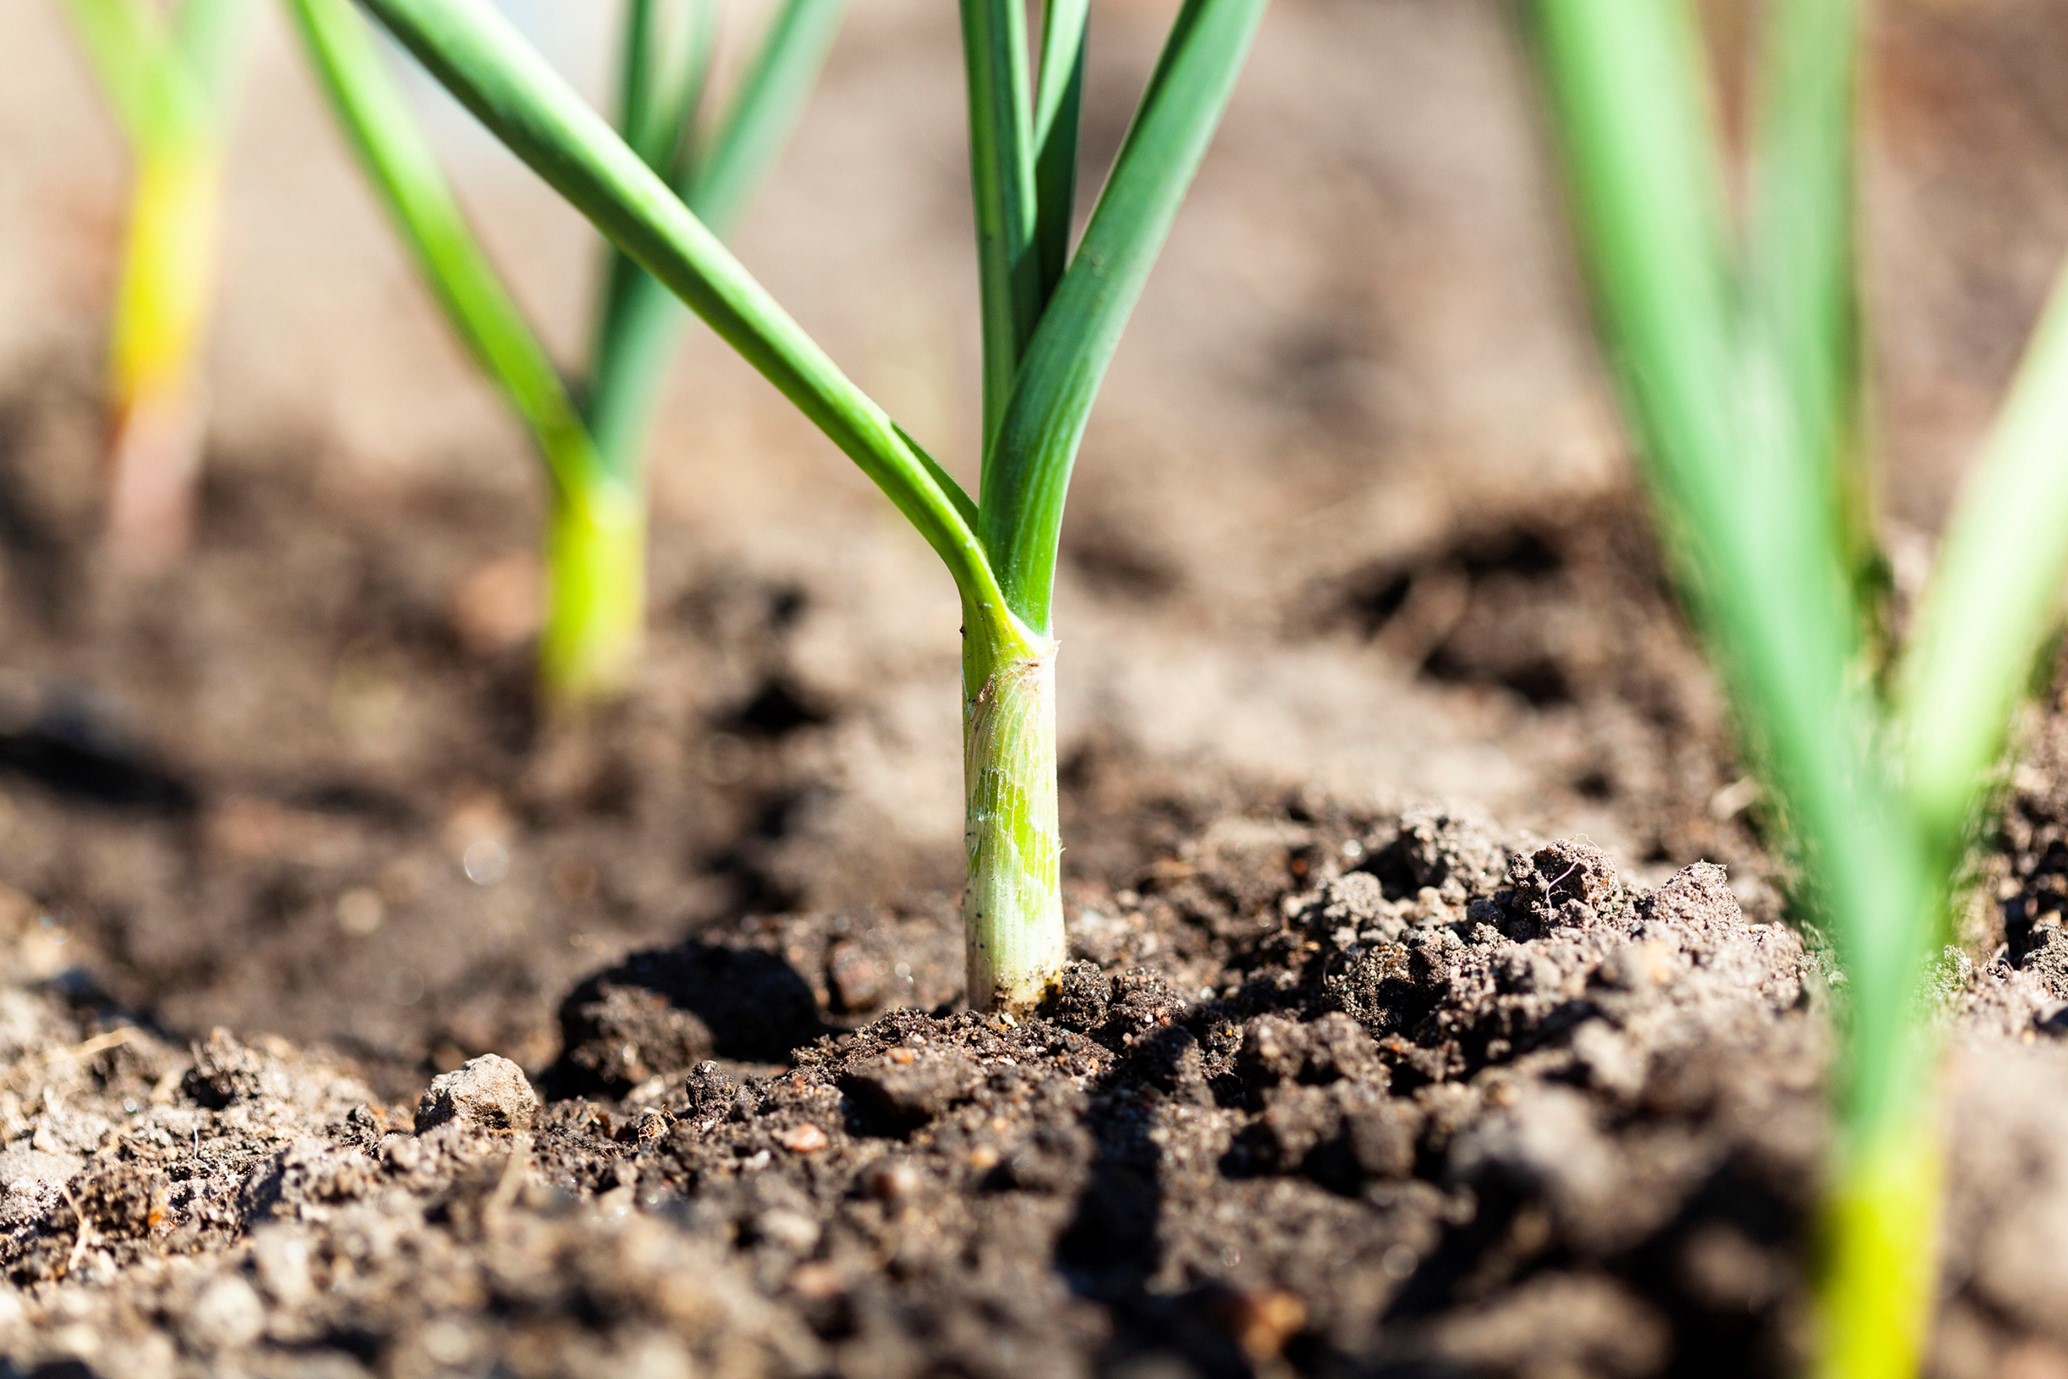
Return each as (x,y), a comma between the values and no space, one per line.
(361,911)
(496,605)
(816,1280)
(803,1139)
(448,1342)
(858,978)
(891,1180)
(228,1315)
(789,1230)
(281,1259)
(1263,1321)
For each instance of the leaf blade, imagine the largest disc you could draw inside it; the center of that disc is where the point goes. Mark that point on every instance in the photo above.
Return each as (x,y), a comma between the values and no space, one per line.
(1995,591)
(128,47)
(1058,112)
(1801,290)
(209,36)
(1027,470)
(758,119)
(1001,176)
(642,86)
(1742,513)
(398,160)
(470,48)
(642,321)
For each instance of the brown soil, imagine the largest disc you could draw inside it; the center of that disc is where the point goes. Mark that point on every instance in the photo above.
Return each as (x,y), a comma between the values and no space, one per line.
(354,1021)
(1330,1091)
(1325,1095)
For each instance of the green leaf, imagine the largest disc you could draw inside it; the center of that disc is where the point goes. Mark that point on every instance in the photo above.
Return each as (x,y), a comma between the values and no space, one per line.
(167,80)
(1058,111)
(376,118)
(1995,593)
(763,111)
(649,112)
(636,318)
(642,321)
(1801,256)
(658,95)
(1027,469)
(129,47)
(1743,411)
(1740,508)
(475,53)
(700,47)
(1001,168)
(210,36)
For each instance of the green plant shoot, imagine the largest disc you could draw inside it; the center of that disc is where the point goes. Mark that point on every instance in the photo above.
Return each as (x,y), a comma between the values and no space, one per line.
(1051,322)
(1737,358)
(591,437)
(167,72)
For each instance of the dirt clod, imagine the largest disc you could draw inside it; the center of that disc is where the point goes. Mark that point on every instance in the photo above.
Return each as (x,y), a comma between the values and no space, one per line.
(488,1093)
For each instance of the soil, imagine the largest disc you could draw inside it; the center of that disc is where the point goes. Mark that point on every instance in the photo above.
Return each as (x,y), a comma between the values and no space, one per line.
(1322,1094)
(1434,1011)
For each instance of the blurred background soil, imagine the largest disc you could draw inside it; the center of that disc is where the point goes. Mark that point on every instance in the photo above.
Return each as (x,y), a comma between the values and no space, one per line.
(1353,524)
(1352,519)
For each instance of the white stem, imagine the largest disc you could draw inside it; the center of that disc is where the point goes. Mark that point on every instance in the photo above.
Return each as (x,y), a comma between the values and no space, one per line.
(1013,910)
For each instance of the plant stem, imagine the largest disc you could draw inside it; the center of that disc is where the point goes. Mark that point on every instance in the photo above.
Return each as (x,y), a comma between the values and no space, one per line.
(638,323)
(595,537)
(1014,906)
(1880,1235)
(167,76)
(169,264)
(642,321)
(1013,909)
(596,591)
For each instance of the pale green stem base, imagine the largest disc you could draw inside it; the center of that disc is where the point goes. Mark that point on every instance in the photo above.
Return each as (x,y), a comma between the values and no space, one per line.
(1013,910)
(154,455)
(1880,1232)
(595,595)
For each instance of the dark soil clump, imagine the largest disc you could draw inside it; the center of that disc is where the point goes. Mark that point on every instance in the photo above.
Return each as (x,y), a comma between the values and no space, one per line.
(1567,608)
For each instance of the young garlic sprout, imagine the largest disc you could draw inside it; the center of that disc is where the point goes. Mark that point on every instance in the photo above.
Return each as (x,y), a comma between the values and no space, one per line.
(167,72)
(1738,360)
(1052,319)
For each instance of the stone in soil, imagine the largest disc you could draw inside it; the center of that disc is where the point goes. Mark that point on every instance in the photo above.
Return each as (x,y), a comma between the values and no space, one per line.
(489,1092)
